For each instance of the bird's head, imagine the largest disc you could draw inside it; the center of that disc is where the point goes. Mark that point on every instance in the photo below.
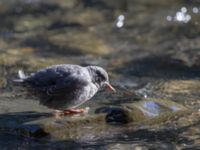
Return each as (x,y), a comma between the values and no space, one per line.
(100,77)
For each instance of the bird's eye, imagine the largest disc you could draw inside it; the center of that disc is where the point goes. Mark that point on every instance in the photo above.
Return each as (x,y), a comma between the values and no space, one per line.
(100,76)
(98,80)
(98,73)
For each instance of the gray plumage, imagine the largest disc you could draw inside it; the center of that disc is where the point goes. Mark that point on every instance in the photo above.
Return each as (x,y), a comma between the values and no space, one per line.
(64,86)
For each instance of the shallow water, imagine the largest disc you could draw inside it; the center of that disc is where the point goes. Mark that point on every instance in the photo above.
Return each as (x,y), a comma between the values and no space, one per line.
(151,49)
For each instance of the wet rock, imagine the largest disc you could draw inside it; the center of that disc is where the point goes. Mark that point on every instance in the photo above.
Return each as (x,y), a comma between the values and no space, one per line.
(117,116)
(157,109)
(80,43)
(51,23)
(34,130)
(114,115)
(145,112)
(92,127)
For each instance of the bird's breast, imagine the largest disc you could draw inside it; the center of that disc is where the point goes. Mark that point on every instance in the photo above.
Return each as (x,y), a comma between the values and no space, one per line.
(92,90)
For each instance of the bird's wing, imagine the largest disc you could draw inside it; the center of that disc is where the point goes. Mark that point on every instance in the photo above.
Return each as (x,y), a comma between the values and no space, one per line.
(50,75)
(47,77)
(65,85)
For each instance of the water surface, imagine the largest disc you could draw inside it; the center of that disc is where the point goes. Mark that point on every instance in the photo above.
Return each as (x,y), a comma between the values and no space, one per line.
(150,49)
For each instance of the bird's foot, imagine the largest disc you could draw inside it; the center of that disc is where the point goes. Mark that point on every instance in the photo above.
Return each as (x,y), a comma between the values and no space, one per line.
(75,111)
(58,113)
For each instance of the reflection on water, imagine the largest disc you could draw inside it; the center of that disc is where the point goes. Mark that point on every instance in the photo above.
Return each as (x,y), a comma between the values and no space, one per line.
(120,21)
(150,48)
(181,16)
(154,109)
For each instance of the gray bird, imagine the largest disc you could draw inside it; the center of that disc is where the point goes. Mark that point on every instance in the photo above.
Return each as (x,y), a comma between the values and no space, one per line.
(65,87)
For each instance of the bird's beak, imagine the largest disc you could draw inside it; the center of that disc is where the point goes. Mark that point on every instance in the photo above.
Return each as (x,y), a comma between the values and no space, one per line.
(110,87)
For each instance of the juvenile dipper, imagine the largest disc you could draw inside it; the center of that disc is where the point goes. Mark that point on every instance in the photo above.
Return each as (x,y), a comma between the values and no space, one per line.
(64,87)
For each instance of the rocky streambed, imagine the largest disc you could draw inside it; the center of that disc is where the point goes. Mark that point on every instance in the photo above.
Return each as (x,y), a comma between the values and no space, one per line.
(150,50)
(100,125)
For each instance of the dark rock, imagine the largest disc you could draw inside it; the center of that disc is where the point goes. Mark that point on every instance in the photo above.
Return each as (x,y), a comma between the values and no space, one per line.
(114,115)
(117,116)
(32,130)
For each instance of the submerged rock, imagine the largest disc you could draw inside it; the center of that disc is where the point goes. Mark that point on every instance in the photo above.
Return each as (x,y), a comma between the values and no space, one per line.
(145,112)
(96,125)
(114,115)
(31,131)
(140,110)
(112,122)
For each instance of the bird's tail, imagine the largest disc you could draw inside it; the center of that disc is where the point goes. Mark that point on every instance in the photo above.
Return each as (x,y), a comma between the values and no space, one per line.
(21,77)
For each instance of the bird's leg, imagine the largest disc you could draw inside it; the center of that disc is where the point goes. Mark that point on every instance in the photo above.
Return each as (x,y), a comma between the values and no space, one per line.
(73,111)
